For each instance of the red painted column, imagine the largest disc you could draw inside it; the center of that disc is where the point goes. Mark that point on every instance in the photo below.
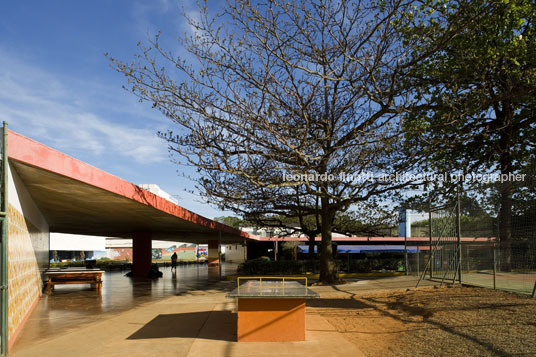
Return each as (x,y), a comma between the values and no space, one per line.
(213,252)
(141,253)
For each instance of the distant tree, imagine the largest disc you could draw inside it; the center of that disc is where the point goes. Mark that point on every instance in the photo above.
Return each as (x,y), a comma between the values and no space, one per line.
(230,221)
(478,95)
(269,90)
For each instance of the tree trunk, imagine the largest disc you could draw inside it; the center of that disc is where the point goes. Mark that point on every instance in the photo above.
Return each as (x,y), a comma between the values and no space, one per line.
(506,191)
(328,270)
(505,222)
(311,254)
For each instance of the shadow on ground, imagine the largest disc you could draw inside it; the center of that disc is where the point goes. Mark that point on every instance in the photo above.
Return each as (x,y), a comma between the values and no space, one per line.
(338,304)
(188,325)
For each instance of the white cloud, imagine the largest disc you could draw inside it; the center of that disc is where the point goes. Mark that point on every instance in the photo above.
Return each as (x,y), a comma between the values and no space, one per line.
(66,115)
(143,13)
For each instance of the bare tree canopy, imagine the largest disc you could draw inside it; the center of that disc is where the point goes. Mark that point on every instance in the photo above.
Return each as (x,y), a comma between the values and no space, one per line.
(281,105)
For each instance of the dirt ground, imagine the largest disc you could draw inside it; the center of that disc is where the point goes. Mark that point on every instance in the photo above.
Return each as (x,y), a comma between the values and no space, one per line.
(433,321)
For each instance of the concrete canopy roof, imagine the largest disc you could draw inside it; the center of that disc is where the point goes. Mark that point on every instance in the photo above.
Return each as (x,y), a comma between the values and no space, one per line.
(77,198)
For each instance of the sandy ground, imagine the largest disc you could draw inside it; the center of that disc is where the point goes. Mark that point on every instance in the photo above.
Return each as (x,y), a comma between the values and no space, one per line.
(432,321)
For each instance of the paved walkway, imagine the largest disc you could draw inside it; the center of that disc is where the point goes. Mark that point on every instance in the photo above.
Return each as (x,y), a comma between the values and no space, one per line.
(193,323)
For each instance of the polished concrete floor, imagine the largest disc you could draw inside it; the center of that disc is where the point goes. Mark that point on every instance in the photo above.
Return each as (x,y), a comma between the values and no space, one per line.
(71,306)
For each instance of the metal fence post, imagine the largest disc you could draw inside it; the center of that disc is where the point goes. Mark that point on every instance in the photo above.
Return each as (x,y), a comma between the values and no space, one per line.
(430,229)
(459,241)
(418,261)
(494,268)
(219,255)
(405,254)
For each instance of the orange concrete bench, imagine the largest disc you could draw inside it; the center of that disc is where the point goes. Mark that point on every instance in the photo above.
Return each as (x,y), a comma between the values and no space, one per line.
(271,311)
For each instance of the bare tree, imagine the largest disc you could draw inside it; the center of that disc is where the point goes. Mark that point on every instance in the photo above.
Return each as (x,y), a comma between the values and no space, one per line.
(284,100)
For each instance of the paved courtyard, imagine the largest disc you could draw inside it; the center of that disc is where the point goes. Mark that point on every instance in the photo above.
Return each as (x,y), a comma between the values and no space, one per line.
(182,314)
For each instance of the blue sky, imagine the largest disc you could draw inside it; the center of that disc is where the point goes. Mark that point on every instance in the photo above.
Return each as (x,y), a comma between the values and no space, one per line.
(57,87)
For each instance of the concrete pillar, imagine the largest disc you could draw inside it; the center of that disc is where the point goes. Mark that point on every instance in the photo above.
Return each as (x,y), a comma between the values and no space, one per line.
(141,253)
(213,252)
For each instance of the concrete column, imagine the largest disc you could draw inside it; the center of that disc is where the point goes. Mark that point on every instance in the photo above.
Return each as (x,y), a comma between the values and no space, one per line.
(141,253)
(213,252)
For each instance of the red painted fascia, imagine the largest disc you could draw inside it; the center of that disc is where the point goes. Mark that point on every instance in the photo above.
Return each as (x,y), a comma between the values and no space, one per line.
(369,239)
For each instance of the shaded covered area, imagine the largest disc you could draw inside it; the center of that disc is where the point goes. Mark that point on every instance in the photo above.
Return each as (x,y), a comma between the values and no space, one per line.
(76,198)
(50,191)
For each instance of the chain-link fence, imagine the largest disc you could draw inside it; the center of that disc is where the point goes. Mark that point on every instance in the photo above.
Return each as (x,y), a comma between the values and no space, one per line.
(480,266)
(466,244)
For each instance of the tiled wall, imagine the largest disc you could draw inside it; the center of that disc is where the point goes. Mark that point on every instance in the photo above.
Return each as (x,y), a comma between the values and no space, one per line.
(24,276)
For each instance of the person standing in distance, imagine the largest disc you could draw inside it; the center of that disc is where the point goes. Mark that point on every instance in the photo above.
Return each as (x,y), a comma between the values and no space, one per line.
(174,261)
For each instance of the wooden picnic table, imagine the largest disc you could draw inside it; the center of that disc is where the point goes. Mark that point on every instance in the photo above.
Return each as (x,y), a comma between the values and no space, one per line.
(74,276)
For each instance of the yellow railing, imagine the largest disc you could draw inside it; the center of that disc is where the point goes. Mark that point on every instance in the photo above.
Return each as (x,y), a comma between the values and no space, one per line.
(260,278)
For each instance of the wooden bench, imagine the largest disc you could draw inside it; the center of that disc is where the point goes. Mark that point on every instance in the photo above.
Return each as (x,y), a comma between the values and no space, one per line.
(74,276)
